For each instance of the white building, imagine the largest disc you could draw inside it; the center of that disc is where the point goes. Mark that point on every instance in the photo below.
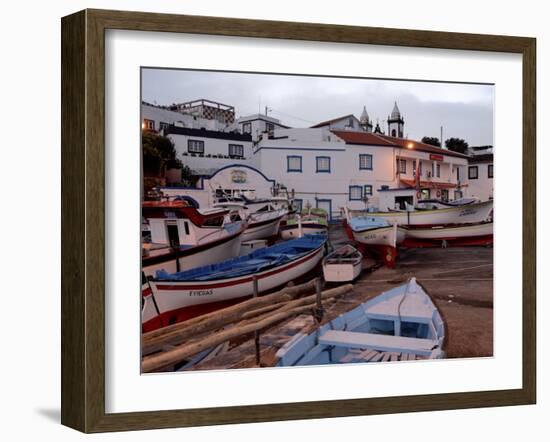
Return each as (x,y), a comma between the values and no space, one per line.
(257,124)
(345,167)
(205,151)
(480,172)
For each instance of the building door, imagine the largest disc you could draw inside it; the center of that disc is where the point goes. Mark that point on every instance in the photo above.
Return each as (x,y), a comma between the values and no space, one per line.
(173,235)
(326,205)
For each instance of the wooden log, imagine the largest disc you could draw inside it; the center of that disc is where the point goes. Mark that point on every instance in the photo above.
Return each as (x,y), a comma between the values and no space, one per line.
(283,294)
(176,337)
(177,333)
(158,361)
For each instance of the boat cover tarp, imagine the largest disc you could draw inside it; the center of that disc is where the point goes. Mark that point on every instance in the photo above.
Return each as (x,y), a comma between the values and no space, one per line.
(254,262)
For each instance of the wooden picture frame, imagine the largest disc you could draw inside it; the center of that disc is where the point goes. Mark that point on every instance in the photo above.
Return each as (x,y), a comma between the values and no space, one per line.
(83,219)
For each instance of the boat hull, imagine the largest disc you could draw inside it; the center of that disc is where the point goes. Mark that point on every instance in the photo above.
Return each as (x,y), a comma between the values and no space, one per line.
(293,231)
(380,236)
(262,230)
(470,213)
(176,295)
(449,232)
(219,251)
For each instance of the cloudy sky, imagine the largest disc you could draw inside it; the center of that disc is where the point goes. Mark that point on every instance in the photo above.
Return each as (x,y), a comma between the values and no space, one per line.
(464,110)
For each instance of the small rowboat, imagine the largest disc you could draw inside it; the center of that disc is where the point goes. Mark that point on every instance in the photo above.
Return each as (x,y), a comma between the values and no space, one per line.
(344,264)
(173,293)
(400,324)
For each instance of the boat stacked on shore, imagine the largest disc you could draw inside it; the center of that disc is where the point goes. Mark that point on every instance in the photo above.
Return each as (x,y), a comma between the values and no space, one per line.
(443,224)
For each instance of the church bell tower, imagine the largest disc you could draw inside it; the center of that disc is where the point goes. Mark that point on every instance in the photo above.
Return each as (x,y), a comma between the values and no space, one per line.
(396,123)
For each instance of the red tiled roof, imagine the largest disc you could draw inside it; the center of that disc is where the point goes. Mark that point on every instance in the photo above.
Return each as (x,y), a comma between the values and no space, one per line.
(372,139)
(326,123)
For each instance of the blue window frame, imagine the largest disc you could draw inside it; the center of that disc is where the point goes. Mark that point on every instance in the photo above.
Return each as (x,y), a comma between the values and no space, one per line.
(323,164)
(367,190)
(365,161)
(294,163)
(355,193)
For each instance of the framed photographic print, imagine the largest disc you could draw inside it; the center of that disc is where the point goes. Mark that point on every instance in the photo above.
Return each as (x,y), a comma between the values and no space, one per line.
(266,221)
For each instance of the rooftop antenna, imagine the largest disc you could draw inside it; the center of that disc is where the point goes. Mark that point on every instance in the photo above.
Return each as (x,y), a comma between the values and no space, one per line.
(442,138)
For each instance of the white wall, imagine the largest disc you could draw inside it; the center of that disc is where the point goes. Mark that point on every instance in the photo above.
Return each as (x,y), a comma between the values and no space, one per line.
(35,304)
(482,187)
(212,146)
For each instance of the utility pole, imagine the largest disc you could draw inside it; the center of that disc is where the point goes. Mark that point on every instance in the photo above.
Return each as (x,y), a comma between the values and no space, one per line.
(442,146)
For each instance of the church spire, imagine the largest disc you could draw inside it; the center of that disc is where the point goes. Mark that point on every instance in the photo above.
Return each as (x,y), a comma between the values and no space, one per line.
(366,123)
(396,122)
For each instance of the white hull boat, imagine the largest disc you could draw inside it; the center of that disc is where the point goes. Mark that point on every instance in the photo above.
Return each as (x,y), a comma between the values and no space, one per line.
(271,266)
(400,324)
(263,225)
(342,265)
(470,213)
(449,232)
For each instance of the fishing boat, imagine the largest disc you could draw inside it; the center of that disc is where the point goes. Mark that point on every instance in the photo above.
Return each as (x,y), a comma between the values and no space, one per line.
(458,234)
(468,213)
(344,264)
(263,222)
(179,294)
(375,231)
(183,237)
(312,221)
(400,324)
(429,204)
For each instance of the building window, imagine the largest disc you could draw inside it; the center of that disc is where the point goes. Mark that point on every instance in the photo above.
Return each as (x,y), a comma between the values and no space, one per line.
(236,150)
(148,124)
(163,126)
(489,171)
(365,161)
(195,146)
(433,169)
(351,122)
(457,194)
(393,133)
(438,170)
(402,166)
(298,204)
(367,190)
(414,168)
(355,193)
(420,167)
(458,173)
(323,164)
(472,172)
(269,127)
(425,194)
(293,163)
(444,195)
(247,128)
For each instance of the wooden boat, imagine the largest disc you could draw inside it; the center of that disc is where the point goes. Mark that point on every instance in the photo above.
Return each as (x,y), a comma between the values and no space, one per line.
(429,204)
(308,223)
(373,230)
(400,324)
(263,222)
(469,213)
(183,237)
(449,231)
(344,264)
(173,293)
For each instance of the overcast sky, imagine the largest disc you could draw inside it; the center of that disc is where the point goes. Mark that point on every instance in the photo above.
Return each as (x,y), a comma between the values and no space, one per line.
(464,110)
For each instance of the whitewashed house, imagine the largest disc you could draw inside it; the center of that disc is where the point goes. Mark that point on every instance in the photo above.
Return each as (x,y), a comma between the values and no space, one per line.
(481,172)
(258,124)
(205,151)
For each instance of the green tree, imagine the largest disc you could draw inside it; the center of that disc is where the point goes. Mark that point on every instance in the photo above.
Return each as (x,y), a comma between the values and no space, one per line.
(434,141)
(158,153)
(457,145)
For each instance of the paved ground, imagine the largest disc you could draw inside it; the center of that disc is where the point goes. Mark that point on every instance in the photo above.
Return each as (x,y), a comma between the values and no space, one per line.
(460,280)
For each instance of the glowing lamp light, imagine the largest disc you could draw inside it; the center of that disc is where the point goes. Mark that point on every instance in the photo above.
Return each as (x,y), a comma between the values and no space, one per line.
(410,145)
